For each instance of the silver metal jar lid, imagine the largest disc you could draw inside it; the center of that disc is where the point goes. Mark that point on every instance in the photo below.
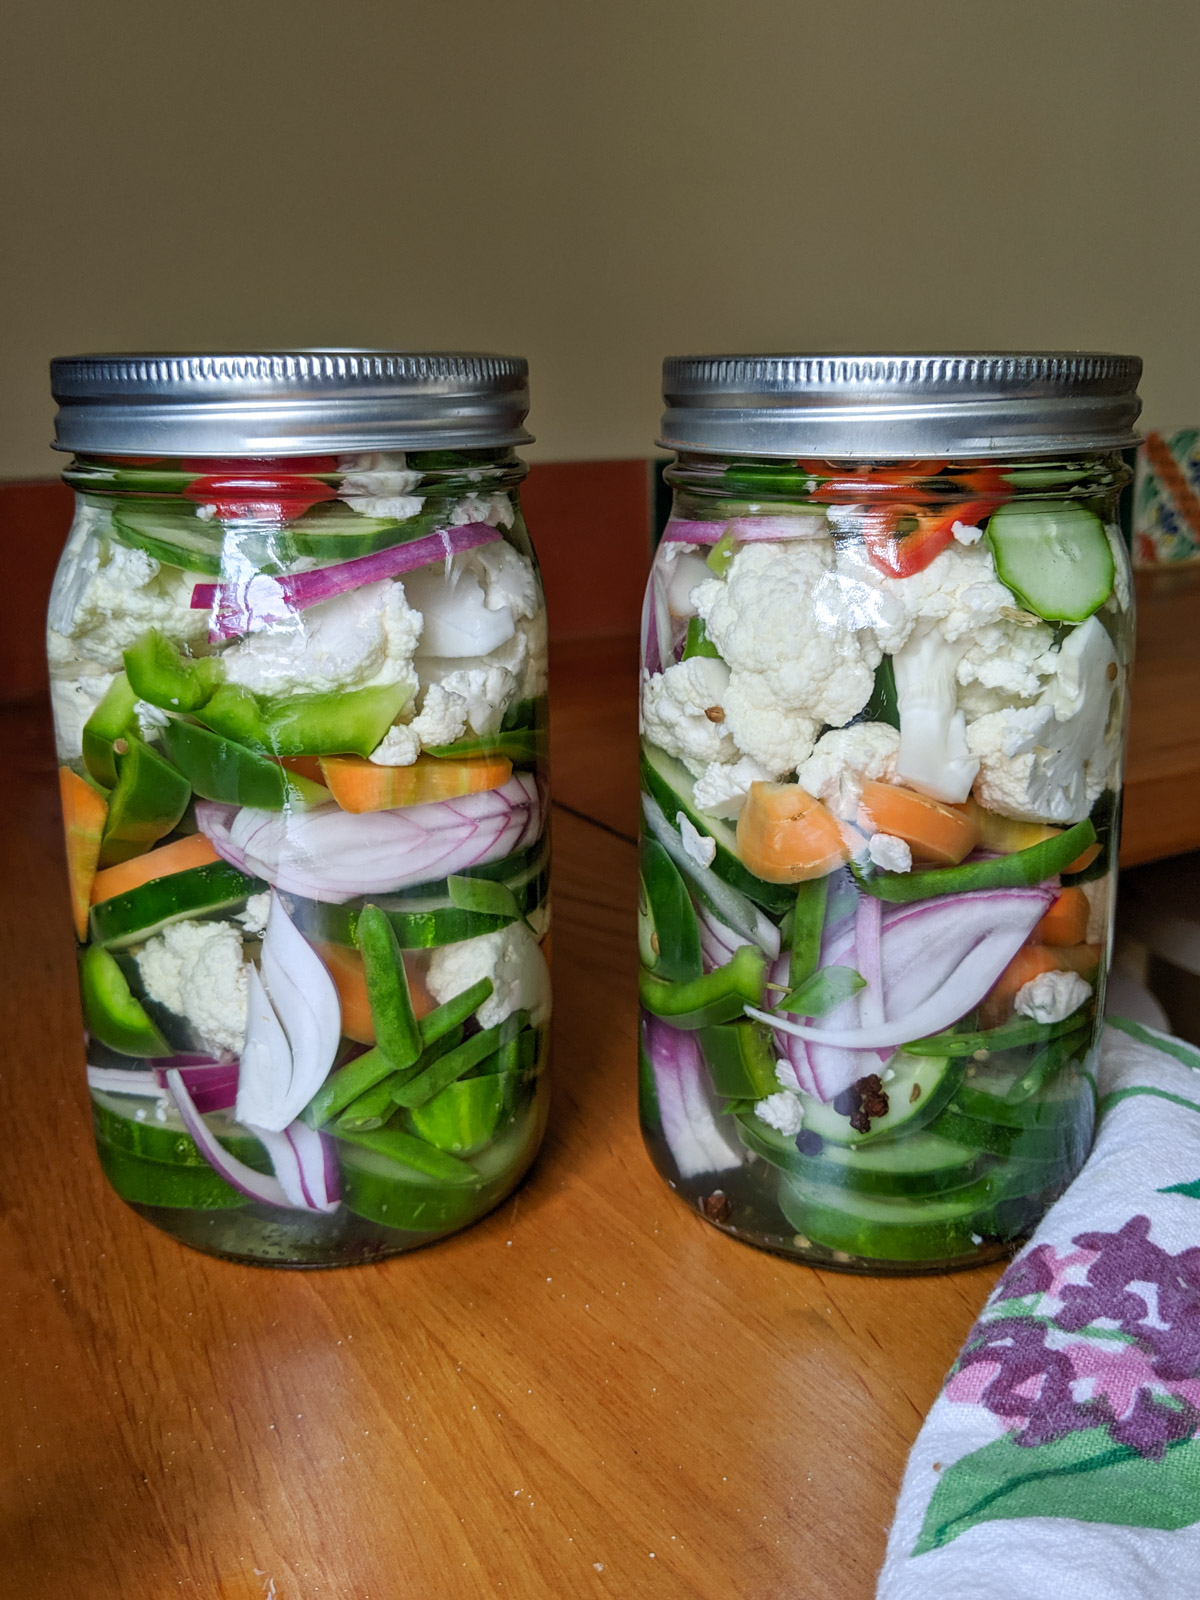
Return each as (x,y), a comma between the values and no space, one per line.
(903,407)
(287,402)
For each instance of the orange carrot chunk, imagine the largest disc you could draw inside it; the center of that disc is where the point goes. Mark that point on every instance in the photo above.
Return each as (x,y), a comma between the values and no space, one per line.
(178,856)
(1066,921)
(84,812)
(1008,834)
(934,831)
(346,969)
(784,835)
(359,785)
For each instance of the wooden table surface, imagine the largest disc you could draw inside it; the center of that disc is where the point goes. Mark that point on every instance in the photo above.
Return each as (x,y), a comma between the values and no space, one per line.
(591,1393)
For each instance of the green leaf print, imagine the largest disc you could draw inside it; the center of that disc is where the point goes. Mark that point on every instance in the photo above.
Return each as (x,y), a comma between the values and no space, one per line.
(1083,1476)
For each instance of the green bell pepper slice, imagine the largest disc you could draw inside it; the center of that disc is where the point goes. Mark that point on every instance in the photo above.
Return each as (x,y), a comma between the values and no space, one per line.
(160,674)
(740,1060)
(464,1115)
(150,797)
(697,642)
(349,722)
(719,996)
(1019,870)
(676,937)
(112,1012)
(113,718)
(221,769)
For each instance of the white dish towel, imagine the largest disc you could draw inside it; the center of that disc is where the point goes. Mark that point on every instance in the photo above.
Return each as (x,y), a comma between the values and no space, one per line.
(1062,1457)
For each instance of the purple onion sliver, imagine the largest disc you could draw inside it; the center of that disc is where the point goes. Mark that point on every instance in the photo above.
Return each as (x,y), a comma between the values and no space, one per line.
(868,929)
(255,1185)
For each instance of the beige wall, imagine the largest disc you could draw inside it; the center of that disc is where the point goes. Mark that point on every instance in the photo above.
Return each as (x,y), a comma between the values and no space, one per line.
(596,185)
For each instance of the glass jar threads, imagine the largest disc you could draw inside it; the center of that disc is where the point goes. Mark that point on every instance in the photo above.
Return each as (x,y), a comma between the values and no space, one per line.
(298,657)
(886,650)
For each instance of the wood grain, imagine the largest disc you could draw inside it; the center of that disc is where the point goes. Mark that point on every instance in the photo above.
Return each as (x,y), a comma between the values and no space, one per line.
(591,1393)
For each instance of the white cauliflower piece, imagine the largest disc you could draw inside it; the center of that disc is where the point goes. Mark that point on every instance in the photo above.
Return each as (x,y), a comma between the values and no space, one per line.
(1051,996)
(258,908)
(1049,762)
(118,593)
(379,484)
(846,758)
(72,701)
(510,958)
(934,754)
(675,707)
(682,577)
(723,787)
(364,638)
(798,645)
(495,509)
(489,684)
(457,619)
(781,1111)
(195,969)
(959,590)
(1006,661)
(510,581)
(889,853)
(442,720)
(967,533)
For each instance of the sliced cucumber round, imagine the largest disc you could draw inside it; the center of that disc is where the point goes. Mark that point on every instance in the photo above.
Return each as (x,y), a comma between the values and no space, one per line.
(1066,1142)
(157,1183)
(332,532)
(919,1086)
(878,1227)
(670,783)
(983,1091)
(132,1123)
(922,1164)
(216,889)
(1054,555)
(171,533)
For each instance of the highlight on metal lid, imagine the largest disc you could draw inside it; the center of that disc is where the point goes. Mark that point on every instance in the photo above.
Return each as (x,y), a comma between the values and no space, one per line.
(901,406)
(287,402)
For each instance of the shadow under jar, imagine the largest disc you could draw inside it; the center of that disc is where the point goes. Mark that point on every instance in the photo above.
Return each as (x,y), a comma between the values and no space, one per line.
(297,646)
(886,647)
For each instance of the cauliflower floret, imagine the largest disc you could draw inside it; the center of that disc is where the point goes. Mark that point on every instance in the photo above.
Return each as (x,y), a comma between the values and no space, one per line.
(509,579)
(675,712)
(360,639)
(510,958)
(1007,660)
(379,484)
(457,619)
(682,577)
(701,847)
(798,646)
(73,700)
(258,908)
(1051,996)
(959,590)
(722,789)
(489,684)
(782,1112)
(442,720)
(843,760)
(934,755)
(117,593)
(495,509)
(889,853)
(195,969)
(1049,762)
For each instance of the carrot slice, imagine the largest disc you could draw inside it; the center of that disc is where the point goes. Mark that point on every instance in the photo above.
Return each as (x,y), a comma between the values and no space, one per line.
(178,856)
(84,811)
(1066,921)
(784,835)
(346,969)
(934,831)
(359,785)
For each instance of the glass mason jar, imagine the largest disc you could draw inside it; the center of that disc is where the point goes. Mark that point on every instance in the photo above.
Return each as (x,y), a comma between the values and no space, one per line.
(298,655)
(886,649)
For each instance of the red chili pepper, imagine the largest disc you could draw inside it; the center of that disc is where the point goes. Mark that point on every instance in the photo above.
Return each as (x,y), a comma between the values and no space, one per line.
(281,497)
(900,555)
(259,466)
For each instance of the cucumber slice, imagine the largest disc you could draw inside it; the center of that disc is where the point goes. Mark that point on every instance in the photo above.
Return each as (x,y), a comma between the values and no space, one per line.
(117,1123)
(1054,555)
(1066,1143)
(983,1094)
(425,922)
(155,1183)
(670,783)
(332,532)
(917,1090)
(920,1164)
(877,1227)
(171,533)
(212,890)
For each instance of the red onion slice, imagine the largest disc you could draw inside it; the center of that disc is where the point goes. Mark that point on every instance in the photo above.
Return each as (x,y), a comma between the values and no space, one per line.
(690,1129)
(332,855)
(255,1185)
(258,601)
(302,1167)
